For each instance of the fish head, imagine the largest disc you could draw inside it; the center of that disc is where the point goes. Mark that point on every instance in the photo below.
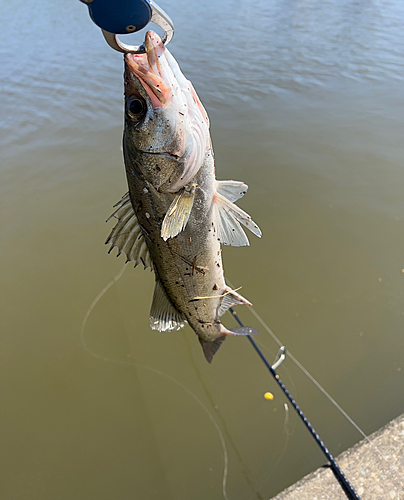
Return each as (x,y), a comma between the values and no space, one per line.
(166,132)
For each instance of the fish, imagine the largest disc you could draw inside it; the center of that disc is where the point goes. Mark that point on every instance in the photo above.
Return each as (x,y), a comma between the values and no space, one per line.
(176,215)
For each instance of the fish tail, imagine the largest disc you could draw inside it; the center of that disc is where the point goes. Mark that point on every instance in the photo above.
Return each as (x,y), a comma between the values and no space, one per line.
(210,348)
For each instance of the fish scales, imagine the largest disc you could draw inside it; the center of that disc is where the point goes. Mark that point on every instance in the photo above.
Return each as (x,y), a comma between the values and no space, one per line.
(176,214)
(189,265)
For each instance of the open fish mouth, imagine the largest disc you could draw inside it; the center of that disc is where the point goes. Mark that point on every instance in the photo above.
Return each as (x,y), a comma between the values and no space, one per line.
(168,89)
(151,69)
(162,78)
(176,196)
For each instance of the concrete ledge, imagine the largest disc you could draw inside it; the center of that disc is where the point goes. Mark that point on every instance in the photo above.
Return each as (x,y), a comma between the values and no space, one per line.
(372,477)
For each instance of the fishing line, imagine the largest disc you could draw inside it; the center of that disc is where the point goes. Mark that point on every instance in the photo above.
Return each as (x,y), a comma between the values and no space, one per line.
(91,307)
(250,479)
(340,476)
(289,432)
(211,418)
(124,362)
(328,396)
(321,388)
(172,379)
(286,424)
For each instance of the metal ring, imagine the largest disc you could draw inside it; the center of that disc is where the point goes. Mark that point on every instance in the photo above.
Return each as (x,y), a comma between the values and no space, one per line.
(159,17)
(280,357)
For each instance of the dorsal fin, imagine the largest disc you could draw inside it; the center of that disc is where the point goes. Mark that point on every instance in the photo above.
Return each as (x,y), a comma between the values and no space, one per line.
(127,235)
(163,315)
(228,217)
(177,215)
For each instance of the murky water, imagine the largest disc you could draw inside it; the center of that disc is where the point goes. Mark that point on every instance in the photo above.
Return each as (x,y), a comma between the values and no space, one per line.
(307,107)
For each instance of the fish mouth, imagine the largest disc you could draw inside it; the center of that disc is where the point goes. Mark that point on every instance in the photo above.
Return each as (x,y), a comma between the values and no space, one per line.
(164,154)
(175,101)
(160,153)
(152,69)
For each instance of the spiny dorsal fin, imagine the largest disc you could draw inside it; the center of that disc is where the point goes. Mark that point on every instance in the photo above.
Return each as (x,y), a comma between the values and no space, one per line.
(232,190)
(127,235)
(228,217)
(178,214)
(231,298)
(163,315)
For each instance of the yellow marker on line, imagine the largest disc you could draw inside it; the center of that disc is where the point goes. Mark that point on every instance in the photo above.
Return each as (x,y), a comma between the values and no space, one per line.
(269,396)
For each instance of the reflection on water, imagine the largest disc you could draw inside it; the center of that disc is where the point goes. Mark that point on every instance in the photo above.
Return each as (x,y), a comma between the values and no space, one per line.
(306,105)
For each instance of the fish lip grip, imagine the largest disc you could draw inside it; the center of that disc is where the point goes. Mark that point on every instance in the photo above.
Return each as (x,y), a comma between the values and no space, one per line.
(128,16)
(158,17)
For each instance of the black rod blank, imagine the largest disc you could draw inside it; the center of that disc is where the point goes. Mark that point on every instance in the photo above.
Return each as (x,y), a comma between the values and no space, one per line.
(342,479)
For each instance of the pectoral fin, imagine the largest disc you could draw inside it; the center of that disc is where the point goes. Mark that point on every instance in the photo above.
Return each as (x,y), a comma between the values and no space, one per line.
(178,214)
(163,315)
(228,217)
(127,235)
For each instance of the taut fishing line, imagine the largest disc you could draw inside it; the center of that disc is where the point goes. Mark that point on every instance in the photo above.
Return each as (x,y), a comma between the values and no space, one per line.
(328,396)
(321,388)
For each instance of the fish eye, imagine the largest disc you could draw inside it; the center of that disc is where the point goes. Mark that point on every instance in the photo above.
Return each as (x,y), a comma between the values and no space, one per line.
(136,107)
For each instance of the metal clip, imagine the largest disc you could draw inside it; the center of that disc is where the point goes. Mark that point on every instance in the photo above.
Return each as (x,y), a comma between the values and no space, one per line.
(280,357)
(159,17)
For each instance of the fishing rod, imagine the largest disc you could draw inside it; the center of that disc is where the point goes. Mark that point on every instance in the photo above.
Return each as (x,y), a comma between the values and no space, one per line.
(340,476)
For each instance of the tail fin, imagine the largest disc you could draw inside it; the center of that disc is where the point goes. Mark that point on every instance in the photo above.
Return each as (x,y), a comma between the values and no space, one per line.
(211,348)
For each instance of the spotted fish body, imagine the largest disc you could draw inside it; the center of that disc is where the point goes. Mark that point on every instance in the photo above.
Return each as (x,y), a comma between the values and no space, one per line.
(176,214)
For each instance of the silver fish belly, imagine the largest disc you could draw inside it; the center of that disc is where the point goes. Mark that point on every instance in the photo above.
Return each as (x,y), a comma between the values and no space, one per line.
(176,214)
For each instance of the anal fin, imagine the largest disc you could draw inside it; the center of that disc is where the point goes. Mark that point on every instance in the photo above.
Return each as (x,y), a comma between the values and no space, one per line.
(177,215)
(231,298)
(163,315)
(127,235)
